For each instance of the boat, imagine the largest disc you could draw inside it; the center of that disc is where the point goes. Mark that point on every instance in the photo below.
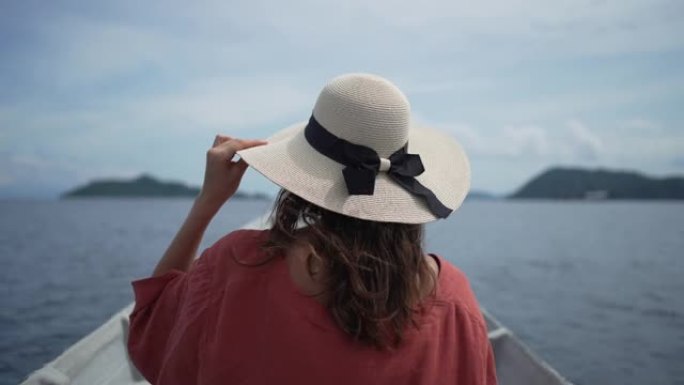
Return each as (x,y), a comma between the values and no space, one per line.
(101,358)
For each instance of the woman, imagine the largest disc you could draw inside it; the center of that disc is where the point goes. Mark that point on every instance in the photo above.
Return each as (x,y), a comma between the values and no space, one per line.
(338,290)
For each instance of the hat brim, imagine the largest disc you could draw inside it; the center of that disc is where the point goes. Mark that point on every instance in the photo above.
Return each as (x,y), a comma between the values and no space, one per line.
(290,162)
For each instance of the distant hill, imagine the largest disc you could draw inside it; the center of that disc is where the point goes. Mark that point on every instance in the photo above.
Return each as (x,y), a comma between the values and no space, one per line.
(480,195)
(573,183)
(142,186)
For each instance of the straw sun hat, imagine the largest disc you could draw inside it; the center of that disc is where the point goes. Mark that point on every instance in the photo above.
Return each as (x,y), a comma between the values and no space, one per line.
(360,155)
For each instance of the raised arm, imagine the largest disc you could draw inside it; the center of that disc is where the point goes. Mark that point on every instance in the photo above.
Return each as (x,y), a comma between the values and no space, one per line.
(222,177)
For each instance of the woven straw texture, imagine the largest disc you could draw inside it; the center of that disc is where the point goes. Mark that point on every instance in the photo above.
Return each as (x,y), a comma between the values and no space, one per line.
(370,111)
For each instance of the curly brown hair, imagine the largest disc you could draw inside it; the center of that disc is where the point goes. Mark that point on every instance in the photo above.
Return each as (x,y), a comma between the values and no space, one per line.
(374,272)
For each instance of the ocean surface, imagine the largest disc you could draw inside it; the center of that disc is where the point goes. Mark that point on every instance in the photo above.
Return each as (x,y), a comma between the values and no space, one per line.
(594,288)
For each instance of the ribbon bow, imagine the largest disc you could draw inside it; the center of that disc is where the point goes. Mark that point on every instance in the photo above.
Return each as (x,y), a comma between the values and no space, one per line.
(362,165)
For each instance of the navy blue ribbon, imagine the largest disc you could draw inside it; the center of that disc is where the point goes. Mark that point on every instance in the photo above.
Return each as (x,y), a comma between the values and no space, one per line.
(363,164)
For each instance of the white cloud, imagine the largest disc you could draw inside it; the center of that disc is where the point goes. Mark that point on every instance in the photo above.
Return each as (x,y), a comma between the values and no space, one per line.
(559,27)
(572,142)
(165,134)
(125,86)
(586,144)
(508,155)
(216,35)
(252,106)
(582,99)
(92,51)
(526,141)
(231,103)
(640,125)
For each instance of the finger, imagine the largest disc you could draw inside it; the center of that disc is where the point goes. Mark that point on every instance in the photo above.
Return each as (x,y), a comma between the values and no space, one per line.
(229,148)
(220,139)
(241,165)
(241,144)
(238,169)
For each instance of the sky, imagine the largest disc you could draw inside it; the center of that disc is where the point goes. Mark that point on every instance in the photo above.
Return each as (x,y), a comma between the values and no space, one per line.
(113,89)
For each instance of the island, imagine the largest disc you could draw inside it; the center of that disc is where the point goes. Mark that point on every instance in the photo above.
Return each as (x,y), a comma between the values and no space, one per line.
(143,186)
(480,195)
(600,184)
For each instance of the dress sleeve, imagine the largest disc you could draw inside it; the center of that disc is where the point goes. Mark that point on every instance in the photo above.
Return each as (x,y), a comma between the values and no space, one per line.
(481,365)
(483,353)
(164,334)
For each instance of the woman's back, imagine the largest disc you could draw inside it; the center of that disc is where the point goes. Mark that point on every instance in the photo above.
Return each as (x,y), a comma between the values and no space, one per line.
(229,321)
(359,180)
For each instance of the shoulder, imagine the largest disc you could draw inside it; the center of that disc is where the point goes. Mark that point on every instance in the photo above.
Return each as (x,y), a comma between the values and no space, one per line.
(454,288)
(238,248)
(240,241)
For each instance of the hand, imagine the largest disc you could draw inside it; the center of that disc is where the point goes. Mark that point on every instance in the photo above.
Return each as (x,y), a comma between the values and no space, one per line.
(222,175)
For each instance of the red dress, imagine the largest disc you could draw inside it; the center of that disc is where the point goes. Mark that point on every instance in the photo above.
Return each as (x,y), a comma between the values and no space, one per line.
(225,323)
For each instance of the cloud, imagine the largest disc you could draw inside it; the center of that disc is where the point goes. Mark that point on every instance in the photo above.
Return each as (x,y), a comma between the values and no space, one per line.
(32,175)
(240,105)
(94,51)
(640,125)
(96,42)
(230,103)
(574,142)
(507,155)
(519,26)
(119,87)
(585,143)
(165,133)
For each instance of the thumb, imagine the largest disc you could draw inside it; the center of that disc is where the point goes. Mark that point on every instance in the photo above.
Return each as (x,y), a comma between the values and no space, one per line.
(239,168)
(242,165)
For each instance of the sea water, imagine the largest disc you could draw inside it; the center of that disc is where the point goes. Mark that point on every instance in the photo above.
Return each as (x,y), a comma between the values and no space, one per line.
(594,288)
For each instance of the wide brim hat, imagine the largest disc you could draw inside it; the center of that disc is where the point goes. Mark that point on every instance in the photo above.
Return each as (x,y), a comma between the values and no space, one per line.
(362,111)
